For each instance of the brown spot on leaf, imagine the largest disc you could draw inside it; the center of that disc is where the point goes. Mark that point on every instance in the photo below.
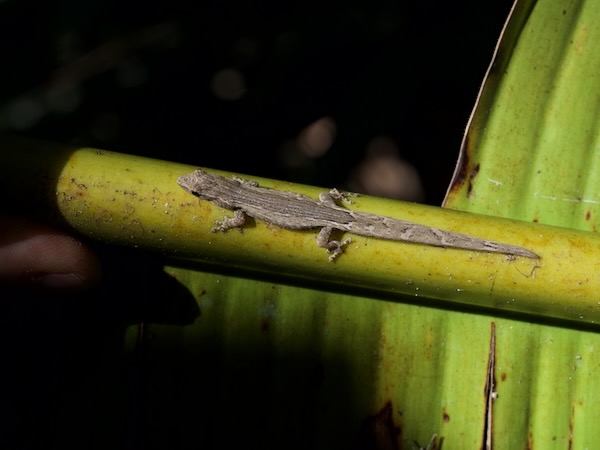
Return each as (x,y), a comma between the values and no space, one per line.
(265,324)
(461,174)
(570,446)
(379,431)
(472,174)
(529,442)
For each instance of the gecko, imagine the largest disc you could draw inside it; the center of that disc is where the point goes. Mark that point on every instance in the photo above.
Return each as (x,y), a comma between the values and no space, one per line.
(295,211)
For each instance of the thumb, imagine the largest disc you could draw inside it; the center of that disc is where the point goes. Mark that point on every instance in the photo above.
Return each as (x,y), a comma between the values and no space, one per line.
(33,255)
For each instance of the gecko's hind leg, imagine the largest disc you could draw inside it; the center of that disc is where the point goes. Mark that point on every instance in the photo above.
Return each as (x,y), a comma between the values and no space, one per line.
(334,247)
(225,223)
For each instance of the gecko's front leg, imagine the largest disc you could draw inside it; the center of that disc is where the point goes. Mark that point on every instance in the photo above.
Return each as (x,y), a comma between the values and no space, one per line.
(245,182)
(329,198)
(225,223)
(334,247)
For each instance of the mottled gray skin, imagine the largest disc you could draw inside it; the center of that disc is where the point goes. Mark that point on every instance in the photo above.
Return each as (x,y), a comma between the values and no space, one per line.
(295,211)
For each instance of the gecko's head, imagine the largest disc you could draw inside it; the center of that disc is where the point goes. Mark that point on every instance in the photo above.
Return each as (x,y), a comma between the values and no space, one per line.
(197,182)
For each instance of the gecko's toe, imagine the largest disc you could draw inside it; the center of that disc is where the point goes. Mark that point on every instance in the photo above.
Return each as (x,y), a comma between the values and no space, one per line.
(336,248)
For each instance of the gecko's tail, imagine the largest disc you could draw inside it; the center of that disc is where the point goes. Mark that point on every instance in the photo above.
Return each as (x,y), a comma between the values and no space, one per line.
(420,234)
(462,241)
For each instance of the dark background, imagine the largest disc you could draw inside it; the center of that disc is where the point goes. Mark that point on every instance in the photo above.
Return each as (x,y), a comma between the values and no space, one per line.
(138,77)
